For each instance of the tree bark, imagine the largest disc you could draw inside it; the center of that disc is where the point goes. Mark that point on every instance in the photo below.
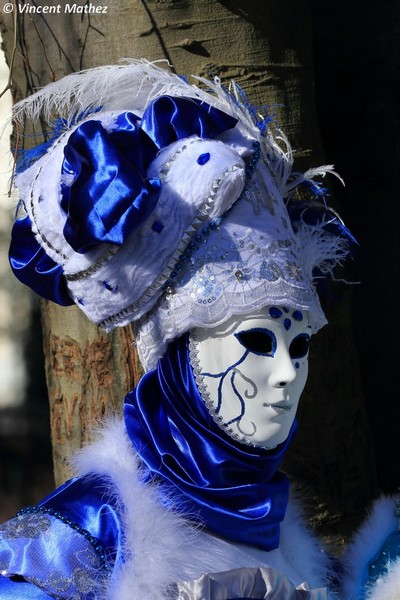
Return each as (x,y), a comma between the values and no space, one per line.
(267,49)
(88,374)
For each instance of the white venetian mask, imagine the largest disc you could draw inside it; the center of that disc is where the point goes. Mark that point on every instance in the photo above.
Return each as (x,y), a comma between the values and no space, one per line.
(251,372)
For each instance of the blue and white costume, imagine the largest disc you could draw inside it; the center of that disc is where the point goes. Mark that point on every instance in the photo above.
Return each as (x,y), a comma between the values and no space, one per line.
(170,208)
(164,516)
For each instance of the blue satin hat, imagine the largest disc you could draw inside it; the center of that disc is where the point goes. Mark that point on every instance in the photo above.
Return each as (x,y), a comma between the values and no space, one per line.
(164,208)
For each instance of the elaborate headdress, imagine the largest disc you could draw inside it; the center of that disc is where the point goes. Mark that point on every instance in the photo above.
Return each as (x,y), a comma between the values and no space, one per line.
(160,204)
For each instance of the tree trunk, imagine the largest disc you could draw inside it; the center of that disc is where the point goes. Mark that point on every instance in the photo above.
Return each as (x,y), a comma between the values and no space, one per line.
(88,374)
(267,49)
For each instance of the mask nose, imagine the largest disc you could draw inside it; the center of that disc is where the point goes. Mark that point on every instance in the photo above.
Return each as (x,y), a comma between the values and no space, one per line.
(284,372)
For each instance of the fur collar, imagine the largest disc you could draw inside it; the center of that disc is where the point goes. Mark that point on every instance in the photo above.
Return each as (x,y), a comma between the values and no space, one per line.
(162,547)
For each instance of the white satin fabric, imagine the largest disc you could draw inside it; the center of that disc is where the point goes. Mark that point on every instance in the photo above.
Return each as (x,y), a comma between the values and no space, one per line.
(246,583)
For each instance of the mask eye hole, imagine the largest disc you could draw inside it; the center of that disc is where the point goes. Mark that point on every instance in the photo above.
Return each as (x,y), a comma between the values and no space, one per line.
(299,346)
(259,341)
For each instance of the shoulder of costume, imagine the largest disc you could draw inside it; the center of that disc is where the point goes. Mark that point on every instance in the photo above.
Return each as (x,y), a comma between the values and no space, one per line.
(387,586)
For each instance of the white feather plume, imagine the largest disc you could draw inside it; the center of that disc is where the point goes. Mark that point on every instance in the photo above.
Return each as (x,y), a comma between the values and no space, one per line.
(129,85)
(294,180)
(320,249)
(109,87)
(132,84)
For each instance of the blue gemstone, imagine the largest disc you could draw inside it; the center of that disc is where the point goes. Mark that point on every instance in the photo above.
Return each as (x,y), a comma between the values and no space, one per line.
(203,158)
(298,315)
(157,226)
(275,312)
(215,223)
(296,365)
(287,324)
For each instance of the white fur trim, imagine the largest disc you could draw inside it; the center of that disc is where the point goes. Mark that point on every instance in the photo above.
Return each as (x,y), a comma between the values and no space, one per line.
(370,537)
(387,587)
(302,549)
(152,534)
(161,547)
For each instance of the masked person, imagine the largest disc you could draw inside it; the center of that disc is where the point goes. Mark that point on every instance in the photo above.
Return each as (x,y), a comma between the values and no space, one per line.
(174,209)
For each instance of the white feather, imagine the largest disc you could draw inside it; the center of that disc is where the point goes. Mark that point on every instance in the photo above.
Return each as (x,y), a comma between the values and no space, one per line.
(320,249)
(321,172)
(109,87)
(132,84)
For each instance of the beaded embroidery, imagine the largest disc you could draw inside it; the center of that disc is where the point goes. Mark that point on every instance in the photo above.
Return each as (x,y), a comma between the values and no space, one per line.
(36,514)
(29,526)
(81,574)
(80,586)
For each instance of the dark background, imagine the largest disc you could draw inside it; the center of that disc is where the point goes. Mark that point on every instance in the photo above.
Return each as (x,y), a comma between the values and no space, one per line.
(357,64)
